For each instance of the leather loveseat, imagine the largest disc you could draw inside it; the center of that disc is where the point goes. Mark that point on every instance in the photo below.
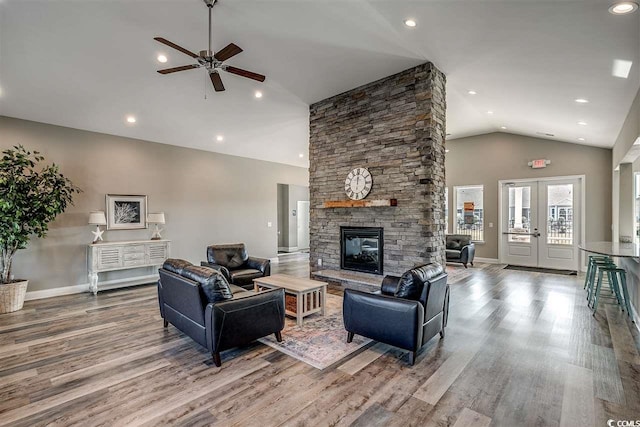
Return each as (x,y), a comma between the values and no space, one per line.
(239,268)
(459,248)
(201,303)
(407,311)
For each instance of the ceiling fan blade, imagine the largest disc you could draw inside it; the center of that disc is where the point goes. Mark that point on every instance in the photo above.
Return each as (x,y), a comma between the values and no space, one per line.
(217,82)
(245,73)
(175,46)
(229,51)
(176,69)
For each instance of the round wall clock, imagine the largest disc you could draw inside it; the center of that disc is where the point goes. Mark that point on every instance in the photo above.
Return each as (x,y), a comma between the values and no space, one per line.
(358,184)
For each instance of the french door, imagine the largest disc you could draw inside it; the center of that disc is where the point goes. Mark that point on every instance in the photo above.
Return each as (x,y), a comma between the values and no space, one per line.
(540,223)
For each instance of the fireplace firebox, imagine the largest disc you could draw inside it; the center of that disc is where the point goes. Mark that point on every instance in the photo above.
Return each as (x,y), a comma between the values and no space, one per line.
(361,249)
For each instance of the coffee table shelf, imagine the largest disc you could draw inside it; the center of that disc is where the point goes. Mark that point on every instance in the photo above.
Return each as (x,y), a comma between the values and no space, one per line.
(310,295)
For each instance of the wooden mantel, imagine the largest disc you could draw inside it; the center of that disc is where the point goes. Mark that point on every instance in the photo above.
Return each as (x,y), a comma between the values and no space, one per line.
(360,203)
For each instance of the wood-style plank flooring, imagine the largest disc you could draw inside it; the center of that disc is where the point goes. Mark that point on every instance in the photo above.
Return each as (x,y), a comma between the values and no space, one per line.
(522,349)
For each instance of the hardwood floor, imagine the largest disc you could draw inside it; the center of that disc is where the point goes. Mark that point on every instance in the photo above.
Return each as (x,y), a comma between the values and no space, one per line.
(521,349)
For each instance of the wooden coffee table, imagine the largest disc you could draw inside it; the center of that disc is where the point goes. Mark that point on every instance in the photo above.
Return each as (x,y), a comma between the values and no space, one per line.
(310,295)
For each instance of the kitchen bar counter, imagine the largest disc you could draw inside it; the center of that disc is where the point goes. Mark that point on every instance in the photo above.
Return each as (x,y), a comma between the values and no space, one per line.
(614,249)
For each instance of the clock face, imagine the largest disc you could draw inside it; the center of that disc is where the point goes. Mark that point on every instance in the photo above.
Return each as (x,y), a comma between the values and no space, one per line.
(358,184)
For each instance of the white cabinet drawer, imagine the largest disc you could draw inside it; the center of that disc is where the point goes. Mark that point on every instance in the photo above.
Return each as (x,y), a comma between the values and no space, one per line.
(133,248)
(135,262)
(134,256)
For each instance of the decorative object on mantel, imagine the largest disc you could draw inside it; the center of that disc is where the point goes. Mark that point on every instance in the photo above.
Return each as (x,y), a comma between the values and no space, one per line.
(97,218)
(156,218)
(358,184)
(360,203)
(30,195)
(125,212)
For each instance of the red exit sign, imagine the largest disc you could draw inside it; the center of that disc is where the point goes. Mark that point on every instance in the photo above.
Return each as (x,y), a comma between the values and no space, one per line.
(540,163)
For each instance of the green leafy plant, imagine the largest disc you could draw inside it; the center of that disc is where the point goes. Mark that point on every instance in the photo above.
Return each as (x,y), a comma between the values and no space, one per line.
(31,196)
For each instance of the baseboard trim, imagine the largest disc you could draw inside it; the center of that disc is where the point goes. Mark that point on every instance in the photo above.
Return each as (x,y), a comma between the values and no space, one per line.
(102,286)
(487,260)
(56,292)
(274,260)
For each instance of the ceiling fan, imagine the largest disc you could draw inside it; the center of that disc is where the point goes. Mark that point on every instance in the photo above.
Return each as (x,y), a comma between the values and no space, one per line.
(213,63)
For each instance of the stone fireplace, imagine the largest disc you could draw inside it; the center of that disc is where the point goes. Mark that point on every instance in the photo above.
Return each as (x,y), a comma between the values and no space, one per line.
(395,128)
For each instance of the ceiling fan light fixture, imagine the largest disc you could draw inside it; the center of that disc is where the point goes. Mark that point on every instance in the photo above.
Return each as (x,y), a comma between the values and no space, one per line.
(162,59)
(258,94)
(411,23)
(623,8)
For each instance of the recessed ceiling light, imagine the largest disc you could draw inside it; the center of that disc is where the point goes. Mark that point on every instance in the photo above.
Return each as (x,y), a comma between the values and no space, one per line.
(219,138)
(410,23)
(258,94)
(621,68)
(446,151)
(301,155)
(503,127)
(581,123)
(472,92)
(489,112)
(582,101)
(622,8)
(131,119)
(580,139)
(162,58)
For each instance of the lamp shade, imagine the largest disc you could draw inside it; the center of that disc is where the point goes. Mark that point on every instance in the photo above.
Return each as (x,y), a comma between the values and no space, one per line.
(97,218)
(155,218)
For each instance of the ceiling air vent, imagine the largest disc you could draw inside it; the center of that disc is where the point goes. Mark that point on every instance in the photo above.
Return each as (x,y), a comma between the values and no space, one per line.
(545,134)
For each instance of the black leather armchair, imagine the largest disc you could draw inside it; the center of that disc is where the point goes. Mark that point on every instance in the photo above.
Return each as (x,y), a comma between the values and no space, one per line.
(218,316)
(459,248)
(407,312)
(239,268)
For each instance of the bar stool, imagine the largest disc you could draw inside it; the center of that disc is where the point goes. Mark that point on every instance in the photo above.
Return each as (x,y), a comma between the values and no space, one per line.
(613,273)
(595,264)
(590,264)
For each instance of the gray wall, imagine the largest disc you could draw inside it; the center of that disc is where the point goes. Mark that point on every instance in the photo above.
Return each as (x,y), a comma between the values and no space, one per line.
(486,159)
(207,197)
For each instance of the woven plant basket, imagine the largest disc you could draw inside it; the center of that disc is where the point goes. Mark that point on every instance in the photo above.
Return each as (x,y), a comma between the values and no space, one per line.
(12,296)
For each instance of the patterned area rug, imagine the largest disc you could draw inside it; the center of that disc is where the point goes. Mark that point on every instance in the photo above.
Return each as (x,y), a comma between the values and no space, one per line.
(321,341)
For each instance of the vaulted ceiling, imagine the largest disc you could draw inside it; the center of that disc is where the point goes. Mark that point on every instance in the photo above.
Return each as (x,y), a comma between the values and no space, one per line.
(90,64)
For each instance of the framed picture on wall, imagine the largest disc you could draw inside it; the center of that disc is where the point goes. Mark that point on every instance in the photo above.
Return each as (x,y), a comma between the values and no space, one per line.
(126,212)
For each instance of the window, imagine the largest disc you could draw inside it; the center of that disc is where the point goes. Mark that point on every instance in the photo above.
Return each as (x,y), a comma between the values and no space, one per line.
(560,221)
(636,207)
(446,210)
(469,211)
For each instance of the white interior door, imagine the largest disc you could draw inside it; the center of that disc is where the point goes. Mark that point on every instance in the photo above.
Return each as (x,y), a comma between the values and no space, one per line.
(541,222)
(303,225)
(520,221)
(559,226)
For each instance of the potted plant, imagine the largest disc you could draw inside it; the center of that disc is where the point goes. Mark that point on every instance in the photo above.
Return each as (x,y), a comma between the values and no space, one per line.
(31,196)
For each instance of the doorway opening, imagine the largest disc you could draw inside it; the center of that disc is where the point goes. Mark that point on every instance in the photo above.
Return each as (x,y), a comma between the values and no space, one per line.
(293,219)
(541,222)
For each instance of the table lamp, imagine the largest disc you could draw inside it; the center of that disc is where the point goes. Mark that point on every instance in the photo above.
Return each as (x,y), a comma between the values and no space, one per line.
(97,218)
(156,218)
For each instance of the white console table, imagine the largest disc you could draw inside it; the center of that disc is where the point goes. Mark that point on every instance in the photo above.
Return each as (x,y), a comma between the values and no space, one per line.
(111,256)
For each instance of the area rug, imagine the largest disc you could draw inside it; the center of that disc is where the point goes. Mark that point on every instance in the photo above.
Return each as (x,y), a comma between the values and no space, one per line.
(321,341)
(542,270)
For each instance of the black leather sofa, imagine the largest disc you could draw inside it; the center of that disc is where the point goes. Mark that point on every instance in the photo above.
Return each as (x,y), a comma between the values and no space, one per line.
(459,248)
(201,303)
(407,311)
(239,268)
